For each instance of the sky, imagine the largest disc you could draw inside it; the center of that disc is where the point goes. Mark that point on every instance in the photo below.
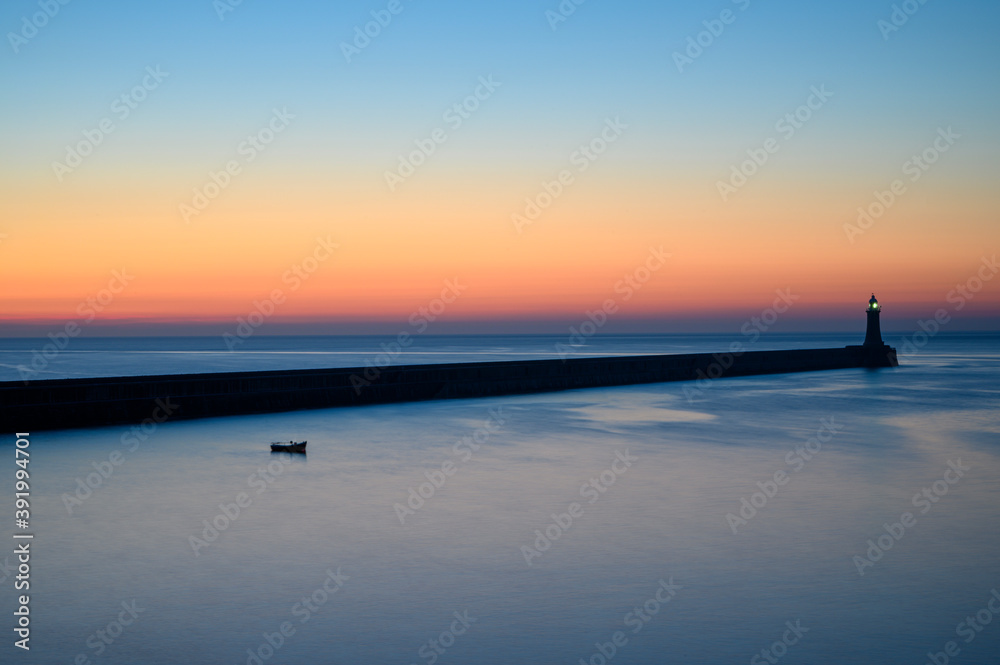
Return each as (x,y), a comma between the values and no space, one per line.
(336,167)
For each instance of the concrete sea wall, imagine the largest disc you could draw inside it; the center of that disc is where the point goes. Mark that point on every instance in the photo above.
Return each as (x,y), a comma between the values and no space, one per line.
(69,403)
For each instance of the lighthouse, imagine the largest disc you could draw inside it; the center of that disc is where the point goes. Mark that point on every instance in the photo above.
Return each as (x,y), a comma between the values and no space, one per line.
(874,352)
(873,335)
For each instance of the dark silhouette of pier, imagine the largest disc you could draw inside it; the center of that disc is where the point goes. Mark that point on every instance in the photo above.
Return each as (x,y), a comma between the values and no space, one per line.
(70,403)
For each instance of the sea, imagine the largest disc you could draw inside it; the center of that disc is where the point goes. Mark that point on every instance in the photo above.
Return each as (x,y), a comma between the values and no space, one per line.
(848,516)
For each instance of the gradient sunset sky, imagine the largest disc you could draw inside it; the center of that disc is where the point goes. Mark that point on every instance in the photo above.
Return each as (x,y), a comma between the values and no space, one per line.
(555,85)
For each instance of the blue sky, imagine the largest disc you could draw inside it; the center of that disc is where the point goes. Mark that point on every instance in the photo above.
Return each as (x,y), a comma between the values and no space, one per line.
(606,58)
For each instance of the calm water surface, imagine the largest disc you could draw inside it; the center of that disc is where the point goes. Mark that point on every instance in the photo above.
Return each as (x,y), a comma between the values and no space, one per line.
(403,564)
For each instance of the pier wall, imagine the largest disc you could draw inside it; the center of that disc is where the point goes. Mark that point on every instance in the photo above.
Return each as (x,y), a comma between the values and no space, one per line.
(70,403)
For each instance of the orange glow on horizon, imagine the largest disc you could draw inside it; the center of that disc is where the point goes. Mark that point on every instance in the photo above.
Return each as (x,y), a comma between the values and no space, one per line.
(394,253)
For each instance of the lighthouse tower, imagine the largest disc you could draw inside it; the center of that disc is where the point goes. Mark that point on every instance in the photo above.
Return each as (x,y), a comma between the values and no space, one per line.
(873,336)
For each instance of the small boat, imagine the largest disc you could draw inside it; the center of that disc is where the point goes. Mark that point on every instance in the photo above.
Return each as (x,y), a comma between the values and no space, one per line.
(290,447)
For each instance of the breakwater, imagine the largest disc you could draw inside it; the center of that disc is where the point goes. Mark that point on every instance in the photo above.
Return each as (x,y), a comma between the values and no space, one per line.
(69,403)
